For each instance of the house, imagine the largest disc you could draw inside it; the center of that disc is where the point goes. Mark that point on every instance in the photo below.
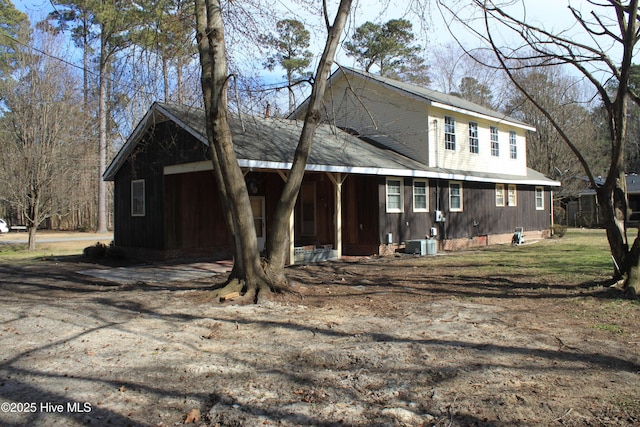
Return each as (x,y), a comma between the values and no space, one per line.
(166,203)
(368,189)
(474,187)
(584,210)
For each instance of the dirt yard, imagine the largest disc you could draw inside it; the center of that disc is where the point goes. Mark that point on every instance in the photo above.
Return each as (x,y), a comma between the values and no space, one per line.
(399,341)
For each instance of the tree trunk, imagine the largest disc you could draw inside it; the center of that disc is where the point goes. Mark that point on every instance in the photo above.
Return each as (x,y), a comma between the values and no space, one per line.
(232,187)
(278,238)
(102,144)
(248,269)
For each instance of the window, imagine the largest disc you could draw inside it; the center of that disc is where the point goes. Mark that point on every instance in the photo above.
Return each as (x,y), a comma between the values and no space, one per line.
(495,145)
(499,194)
(539,198)
(420,198)
(455,196)
(449,133)
(512,196)
(137,197)
(513,146)
(395,201)
(474,146)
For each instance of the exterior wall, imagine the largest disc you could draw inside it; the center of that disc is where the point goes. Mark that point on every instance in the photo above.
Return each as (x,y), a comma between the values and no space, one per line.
(360,219)
(374,111)
(462,159)
(161,146)
(193,215)
(409,125)
(324,206)
(481,217)
(479,223)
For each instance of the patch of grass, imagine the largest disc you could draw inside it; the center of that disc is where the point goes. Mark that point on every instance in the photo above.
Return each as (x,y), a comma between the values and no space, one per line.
(18,252)
(608,328)
(580,256)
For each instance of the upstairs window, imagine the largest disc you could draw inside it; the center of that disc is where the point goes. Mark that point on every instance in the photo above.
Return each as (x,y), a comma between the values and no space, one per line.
(474,146)
(137,198)
(495,145)
(449,133)
(513,146)
(394,195)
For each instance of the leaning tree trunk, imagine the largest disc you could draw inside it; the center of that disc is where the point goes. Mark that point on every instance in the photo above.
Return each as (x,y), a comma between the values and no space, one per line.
(278,239)
(248,272)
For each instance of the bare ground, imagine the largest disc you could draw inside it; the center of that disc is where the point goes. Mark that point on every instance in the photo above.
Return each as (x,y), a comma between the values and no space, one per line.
(371,342)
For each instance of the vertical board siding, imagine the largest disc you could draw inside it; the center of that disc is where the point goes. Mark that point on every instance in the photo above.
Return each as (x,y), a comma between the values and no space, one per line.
(162,145)
(360,207)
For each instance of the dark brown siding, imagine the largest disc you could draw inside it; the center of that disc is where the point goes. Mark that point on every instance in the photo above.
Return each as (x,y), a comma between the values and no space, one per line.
(324,207)
(170,146)
(481,216)
(193,215)
(360,206)
(407,225)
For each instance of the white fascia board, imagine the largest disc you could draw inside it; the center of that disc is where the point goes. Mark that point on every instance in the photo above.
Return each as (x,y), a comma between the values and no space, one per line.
(481,116)
(205,165)
(357,170)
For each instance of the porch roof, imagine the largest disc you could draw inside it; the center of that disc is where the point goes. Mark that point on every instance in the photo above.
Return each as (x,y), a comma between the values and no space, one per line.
(269,143)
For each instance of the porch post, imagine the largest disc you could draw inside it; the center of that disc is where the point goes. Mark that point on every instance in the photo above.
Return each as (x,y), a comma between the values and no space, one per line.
(337,181)
(292,259)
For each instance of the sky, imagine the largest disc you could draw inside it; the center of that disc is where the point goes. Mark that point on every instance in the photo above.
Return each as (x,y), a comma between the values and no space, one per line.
(434,32)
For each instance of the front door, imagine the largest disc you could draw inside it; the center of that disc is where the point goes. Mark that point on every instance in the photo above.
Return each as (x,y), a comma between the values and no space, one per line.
(257,206)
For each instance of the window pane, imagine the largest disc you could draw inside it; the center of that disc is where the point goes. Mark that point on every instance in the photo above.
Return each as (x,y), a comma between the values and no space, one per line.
(539,198)
(474,146)
(495,146)
(449,133)
(394,195)
(419,195)
(512,195)
(137,198)
(455,196)
(499,195)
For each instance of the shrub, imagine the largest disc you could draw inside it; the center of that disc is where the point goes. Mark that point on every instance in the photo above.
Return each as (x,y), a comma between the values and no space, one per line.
(100,250)
(559,230)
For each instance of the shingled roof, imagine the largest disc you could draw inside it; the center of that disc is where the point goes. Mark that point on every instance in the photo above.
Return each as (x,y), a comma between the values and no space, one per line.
(270,143)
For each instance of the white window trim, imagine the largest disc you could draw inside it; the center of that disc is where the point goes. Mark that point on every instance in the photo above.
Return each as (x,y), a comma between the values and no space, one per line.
(386,189)
(144,202)
(512,188)
(461,208)
(495,143)
(475,138)
(453,134)
(500,190)
(513,145)
(426,195)
(541,189)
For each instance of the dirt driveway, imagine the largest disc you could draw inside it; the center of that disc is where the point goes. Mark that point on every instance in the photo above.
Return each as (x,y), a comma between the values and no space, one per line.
(366,343)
